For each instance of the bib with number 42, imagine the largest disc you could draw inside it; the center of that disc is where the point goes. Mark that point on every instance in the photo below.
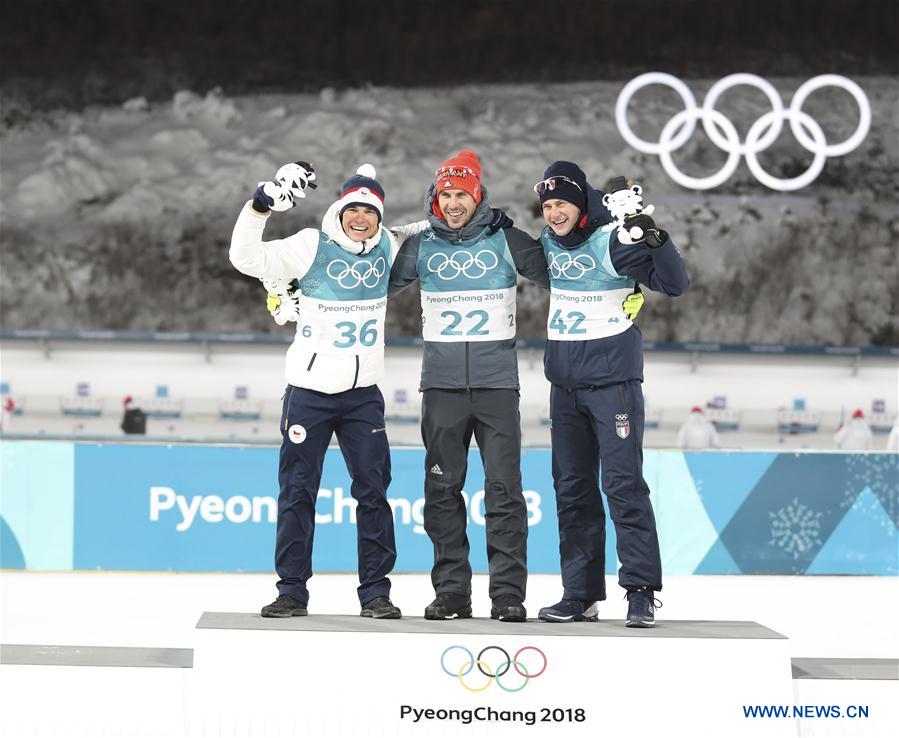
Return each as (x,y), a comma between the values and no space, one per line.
(586,292)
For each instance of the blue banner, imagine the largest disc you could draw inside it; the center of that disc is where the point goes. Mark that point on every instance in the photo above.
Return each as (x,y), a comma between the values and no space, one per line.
(202,508)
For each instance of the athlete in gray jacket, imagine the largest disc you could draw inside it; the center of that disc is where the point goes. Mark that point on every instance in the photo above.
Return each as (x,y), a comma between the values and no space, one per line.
(467,271)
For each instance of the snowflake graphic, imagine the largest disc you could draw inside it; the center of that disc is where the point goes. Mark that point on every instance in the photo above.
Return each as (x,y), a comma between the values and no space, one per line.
(310,285)
(321,258)
(795,528)
(879,473)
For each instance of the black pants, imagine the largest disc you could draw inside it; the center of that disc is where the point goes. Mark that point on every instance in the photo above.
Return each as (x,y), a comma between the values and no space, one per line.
(449,418)
(308,421)
(593,428)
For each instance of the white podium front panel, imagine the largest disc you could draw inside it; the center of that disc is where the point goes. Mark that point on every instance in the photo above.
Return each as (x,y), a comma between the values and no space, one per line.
(349,676)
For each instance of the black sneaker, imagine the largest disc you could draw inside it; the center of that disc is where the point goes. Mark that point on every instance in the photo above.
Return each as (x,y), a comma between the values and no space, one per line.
(448,606)
(382,608)
(570,611)
(284,607)
(509,609)
(641,606)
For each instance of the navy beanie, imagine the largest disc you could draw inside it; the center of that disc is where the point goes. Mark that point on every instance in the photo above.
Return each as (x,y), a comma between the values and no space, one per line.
(363,189)
(562,190)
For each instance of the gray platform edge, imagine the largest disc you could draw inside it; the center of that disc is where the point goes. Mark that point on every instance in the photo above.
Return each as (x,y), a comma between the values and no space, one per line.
(39,655)
(483,626)
(823,668)
(182,658)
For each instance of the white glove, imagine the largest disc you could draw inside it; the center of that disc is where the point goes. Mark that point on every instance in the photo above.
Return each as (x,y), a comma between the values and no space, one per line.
(296,176)
(272,195)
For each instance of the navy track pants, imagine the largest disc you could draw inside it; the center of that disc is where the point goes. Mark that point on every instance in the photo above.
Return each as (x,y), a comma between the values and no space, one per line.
(308,420)
(593,429)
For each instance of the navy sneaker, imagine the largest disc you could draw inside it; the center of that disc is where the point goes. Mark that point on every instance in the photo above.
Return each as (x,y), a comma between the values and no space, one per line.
(448,606)
(570,611)
(381,608)
(509,609)
(641,606)
(284,607)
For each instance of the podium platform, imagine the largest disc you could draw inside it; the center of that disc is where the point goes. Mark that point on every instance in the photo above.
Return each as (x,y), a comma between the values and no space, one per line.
(338,675)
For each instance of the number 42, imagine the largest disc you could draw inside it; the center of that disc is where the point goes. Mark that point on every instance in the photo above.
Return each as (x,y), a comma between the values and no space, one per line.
(575,319)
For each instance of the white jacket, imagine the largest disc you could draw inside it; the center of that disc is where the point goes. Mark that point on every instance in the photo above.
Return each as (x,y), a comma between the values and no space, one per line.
(855,435)
(329,371)
(697,432)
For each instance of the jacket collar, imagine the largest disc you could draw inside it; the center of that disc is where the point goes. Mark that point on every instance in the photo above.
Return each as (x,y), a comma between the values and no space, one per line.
(332,229)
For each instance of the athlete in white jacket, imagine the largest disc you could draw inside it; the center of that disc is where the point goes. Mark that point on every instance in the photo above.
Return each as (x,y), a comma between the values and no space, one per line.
(332,368)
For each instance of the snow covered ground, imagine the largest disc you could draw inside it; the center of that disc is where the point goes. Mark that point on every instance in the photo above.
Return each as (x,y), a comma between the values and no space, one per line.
(123,214)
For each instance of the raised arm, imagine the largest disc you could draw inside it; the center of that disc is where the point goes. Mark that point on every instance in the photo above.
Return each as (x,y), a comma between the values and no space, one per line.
(285,258)
(653,261)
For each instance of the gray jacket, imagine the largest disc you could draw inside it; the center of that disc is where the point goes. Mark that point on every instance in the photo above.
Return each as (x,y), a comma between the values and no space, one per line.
(470,364)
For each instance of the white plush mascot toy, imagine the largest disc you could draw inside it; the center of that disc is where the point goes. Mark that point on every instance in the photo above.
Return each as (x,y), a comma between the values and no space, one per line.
(624,199)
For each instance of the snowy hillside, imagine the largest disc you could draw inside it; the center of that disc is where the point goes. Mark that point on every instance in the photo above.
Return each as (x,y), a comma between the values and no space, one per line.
(120,218)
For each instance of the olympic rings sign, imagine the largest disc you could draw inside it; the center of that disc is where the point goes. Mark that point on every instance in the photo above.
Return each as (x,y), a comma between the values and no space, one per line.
(761,135)
(563,265)
(463,262)
(494,668)
(349,276)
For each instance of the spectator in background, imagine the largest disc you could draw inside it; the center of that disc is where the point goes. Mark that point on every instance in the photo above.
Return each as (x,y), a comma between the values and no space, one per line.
(855,435)
(9,407)
(697,431)
(893,440)
(134,421)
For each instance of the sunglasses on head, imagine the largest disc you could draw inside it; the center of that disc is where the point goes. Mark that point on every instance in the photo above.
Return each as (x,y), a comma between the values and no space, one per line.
(454,172)
(549,184)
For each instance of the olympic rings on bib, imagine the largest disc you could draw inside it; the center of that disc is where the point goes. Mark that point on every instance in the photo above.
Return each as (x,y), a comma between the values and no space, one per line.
(502,669)
(762,133)
(563,265)
(470,265)
(364,273)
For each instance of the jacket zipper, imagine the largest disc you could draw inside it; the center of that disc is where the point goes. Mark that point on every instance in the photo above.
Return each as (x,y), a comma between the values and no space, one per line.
(467,378)
(287,410)
(311,362)
(356,378)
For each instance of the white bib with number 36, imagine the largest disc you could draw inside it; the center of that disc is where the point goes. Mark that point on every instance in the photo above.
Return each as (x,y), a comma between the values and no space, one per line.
(331,326)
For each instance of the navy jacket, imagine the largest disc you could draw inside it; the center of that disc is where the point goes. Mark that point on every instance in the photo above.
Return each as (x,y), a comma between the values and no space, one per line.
(604,361)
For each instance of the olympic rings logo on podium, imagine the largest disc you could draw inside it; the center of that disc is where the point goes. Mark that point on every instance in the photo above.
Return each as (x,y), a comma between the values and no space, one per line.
(349,276)
(495,668)
(563,265)
(463,262)
(762,133)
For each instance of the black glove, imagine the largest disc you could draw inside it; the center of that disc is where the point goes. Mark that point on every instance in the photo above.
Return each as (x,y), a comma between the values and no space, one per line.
(500,220)
(652,235)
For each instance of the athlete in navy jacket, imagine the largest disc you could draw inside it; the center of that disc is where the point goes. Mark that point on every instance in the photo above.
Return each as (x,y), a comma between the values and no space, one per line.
(594,360)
